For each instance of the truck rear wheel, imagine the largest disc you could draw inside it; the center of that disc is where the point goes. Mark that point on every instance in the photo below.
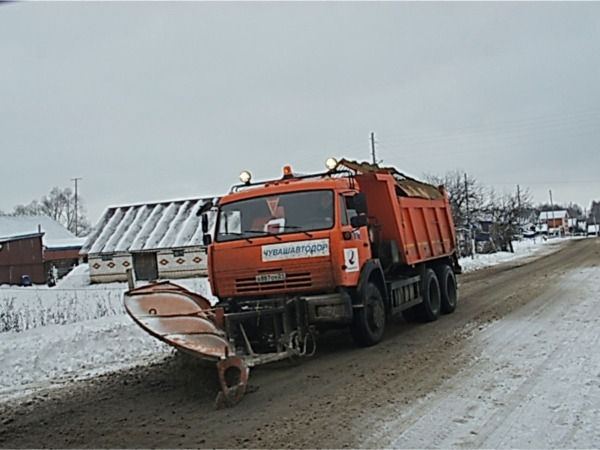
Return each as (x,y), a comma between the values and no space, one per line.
(429,309)
(447,282)
(368,323)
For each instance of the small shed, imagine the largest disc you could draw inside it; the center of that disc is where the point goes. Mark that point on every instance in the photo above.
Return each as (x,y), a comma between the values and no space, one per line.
(156,240)
(34,246)
(22,256)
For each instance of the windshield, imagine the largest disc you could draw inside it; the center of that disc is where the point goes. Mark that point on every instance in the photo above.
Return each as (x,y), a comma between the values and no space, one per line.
(278,214)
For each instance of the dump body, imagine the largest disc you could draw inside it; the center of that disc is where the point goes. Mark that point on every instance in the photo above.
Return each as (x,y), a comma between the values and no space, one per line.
(422,226)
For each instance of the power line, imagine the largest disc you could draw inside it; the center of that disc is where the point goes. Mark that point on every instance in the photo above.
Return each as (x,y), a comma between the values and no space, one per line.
(480,148)
(539,121)
(477,137)
(551,182)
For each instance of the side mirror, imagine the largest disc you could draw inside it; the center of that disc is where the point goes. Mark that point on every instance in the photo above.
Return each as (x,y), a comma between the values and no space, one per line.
(360,204)
(206,238)
(359,221)
(204,208)
(204,223)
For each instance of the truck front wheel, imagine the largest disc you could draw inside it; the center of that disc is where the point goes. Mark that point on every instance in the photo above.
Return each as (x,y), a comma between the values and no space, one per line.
(368,323)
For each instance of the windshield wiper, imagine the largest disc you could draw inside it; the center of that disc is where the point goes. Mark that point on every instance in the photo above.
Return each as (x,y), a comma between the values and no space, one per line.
(293,227)
(267,233)
(238,234)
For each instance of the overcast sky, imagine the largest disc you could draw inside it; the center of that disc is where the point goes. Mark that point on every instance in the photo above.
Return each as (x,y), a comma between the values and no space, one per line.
(160,101)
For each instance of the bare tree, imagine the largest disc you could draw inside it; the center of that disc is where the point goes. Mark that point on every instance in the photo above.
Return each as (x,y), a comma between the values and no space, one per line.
(471,203)
(594,213)
(59,204)
(466,195)
(467,201)
(509,213)
(575,210)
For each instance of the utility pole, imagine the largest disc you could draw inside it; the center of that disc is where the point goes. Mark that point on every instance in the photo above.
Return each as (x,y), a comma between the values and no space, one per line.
(467,197)
(76,179)
(519,198)
(468,218)
(551,206)
(373,148)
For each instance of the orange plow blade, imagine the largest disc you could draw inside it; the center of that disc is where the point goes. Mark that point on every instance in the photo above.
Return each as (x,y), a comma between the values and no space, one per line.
(187,321)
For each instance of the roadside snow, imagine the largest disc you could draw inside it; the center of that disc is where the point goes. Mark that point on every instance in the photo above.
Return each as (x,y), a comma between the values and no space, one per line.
(91,333)
(527,248)
(58,353)
(73,300)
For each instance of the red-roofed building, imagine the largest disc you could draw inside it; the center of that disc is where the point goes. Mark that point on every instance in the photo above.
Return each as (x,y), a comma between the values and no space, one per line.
(557,222)
(32,247)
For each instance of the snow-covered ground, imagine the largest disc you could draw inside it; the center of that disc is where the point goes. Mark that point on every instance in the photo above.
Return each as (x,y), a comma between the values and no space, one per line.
(524,249)
(76,330)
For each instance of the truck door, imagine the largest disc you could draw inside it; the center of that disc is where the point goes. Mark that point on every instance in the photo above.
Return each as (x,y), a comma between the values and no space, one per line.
(354,242)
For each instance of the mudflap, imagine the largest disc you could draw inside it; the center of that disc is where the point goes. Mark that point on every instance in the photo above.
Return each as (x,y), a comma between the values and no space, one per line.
(233,376)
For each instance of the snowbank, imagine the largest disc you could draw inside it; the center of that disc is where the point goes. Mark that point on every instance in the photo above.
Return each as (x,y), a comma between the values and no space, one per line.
(523,249)
(60,352)
(72,300)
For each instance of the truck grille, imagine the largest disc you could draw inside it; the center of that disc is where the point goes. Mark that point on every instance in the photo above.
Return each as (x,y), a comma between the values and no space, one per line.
(292,281)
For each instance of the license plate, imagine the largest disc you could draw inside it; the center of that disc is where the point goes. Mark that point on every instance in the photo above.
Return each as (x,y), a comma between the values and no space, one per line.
(268,277)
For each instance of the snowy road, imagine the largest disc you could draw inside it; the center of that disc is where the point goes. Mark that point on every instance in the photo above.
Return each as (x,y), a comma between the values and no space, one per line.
(516,366)
(536,383)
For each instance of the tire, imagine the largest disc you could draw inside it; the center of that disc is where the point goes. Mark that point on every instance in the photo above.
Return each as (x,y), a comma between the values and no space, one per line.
(429,310)
(368,323)
(448,289)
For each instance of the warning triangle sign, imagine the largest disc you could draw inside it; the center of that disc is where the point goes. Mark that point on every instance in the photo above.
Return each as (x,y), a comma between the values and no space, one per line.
(273,201)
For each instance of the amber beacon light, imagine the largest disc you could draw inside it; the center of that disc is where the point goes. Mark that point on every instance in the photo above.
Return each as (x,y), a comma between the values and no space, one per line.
(287,172)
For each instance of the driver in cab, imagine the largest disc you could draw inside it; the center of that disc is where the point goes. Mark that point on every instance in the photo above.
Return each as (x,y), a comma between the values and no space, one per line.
(322,213)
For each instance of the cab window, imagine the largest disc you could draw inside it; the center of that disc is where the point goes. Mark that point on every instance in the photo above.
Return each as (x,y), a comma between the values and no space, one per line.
(345,220)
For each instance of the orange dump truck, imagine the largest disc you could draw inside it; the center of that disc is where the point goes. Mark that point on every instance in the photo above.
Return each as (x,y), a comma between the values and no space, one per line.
(294,257)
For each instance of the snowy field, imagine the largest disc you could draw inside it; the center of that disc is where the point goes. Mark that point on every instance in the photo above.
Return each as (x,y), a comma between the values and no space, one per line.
(76,330)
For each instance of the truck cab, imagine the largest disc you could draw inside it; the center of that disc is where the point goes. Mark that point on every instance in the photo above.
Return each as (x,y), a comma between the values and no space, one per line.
(289,237)
(292,242)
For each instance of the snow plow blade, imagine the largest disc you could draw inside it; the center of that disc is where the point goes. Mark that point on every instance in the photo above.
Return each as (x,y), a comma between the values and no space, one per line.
(188,322)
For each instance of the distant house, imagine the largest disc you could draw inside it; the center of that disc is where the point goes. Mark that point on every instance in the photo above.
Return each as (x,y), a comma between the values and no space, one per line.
(555,222)
(33,247)
(577,226)
(526,221)
(483,229)
(156,240)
